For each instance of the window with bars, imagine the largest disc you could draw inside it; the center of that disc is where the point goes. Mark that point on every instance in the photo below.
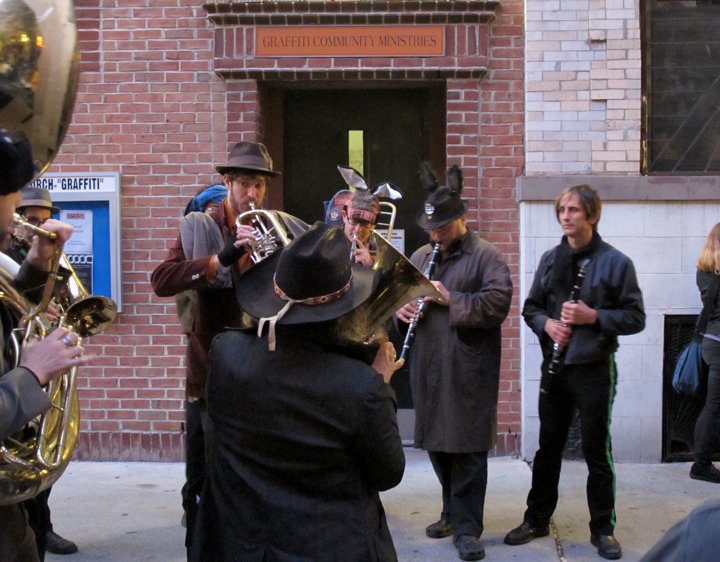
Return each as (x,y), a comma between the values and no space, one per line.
(681,86)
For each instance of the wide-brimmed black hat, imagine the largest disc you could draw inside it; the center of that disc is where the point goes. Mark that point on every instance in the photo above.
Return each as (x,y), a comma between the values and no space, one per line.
(443,205)
(310,281)
(250,156)
(36,197)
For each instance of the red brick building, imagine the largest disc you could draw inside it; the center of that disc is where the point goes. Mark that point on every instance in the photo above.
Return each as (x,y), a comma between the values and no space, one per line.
(166,88)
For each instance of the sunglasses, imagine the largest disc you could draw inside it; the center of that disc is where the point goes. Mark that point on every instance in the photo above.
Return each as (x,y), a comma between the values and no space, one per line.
(361,222)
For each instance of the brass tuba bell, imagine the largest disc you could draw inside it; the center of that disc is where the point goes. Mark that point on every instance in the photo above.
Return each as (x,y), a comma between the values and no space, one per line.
(397,281)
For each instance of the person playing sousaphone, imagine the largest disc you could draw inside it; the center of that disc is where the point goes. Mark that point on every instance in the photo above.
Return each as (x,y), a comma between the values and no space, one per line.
(295,471)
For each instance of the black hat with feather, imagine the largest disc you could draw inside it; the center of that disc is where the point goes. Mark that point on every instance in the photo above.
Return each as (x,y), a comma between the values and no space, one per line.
(443,205)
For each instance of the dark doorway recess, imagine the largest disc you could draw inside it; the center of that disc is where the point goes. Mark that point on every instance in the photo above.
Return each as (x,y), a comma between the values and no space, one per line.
(307,129)
(398,126)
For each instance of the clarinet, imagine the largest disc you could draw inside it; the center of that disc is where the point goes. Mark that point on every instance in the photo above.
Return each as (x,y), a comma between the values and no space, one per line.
(559,350)
(421,303)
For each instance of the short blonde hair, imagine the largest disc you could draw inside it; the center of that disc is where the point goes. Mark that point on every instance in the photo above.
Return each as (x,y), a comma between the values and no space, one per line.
(709,259)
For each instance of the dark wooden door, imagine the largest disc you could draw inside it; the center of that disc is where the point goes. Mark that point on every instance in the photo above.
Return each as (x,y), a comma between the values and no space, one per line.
(400,128)
(397,136)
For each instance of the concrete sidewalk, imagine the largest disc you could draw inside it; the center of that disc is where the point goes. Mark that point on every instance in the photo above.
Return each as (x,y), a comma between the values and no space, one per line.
(118,512)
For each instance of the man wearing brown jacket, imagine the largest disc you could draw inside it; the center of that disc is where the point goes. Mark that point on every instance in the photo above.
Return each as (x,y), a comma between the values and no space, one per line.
(204,257)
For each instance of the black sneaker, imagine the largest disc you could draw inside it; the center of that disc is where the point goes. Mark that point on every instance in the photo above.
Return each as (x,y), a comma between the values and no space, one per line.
(525,533)
(439,529)
(58,545)
(707,472)
(469,547)
(607,545)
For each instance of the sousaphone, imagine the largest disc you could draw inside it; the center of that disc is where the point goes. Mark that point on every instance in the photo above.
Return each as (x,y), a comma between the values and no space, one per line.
(38,82)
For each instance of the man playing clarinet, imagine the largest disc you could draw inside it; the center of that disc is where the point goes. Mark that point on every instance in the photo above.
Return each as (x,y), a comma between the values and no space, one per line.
(454,361)
(586,330)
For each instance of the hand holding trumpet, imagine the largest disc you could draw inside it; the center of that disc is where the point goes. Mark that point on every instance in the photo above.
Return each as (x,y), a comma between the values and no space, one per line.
(46,242)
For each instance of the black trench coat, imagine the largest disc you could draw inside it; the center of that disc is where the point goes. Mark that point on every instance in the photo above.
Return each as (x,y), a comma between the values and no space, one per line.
(303,440)
(454,361)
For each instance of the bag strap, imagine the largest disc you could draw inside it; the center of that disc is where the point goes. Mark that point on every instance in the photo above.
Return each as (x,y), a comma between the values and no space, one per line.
(708,308)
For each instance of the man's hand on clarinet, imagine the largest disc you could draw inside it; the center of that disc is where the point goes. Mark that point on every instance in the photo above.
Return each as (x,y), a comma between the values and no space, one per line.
(576,313)
(407,312)
(558,332)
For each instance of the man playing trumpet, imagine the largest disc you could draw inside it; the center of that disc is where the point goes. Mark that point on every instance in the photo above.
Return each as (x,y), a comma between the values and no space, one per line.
(204,257)
(359,218)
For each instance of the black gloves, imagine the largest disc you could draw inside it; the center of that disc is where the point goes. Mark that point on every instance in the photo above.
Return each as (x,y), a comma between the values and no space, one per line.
(230,254)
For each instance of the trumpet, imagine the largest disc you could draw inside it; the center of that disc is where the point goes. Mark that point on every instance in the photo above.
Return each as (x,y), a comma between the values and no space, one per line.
(353,247)
(18,221)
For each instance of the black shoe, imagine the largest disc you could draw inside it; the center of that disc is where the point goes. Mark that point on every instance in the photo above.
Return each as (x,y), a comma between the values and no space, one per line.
(705,472)
(525,533)
(439,529)
(469,547)
(58,545)
(607,546)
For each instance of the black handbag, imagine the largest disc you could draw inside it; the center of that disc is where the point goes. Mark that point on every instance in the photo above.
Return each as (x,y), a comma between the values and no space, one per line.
(690,374)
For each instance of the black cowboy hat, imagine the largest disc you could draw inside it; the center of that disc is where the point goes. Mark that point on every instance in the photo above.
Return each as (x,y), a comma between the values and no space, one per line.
(250,156)
(313,273)
(443,205)
(36,197)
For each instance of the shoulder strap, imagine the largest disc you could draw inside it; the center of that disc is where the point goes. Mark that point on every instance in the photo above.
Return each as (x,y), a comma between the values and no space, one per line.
(708,307)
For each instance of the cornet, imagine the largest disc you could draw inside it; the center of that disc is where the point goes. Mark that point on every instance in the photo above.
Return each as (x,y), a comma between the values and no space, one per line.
(270,234)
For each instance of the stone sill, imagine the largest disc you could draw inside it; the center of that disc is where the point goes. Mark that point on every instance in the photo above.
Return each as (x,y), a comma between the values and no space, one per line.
(622,188)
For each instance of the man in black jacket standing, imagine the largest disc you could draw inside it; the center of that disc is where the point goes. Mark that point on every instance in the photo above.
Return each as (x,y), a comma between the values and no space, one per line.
(583,333)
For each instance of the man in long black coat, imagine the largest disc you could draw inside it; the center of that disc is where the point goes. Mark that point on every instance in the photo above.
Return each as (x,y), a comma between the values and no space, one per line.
(304,435)
(455,361)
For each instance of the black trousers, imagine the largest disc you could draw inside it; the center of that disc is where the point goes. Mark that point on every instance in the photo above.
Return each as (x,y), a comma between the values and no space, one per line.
(38,512)
(463,477)
(590,388)
(195,461)
(707,426)
(17,540)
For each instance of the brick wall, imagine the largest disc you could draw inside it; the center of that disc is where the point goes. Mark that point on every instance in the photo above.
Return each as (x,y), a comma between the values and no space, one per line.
(160,101)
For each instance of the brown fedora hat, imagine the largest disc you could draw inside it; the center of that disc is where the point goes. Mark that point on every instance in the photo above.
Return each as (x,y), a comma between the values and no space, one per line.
(250,156)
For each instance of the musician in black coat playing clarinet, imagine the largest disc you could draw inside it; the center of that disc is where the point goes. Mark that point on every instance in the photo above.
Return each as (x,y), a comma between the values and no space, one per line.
(586,330)
(454,360)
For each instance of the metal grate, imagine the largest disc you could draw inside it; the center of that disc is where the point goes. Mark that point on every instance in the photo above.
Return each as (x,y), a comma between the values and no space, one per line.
(680,411)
